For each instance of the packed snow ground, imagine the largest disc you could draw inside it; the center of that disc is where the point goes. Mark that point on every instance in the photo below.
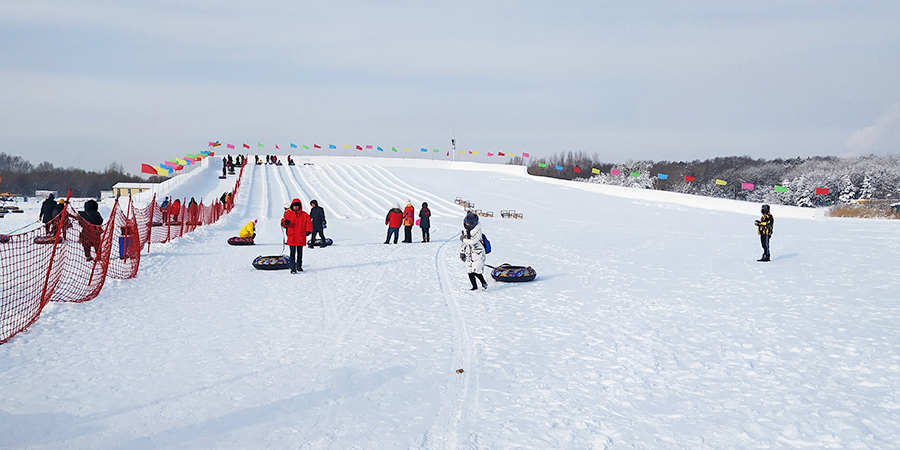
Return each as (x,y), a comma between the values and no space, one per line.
(650,325)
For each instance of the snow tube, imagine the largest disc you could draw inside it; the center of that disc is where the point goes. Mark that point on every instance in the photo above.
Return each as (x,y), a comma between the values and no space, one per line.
(156,224)
(276,262)
(4,239)
(221,177)
(506,272)
(236,240)
(318,242)
(47,240)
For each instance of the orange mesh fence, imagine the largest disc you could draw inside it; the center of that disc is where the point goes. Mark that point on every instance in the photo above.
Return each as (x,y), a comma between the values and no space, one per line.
(70,260)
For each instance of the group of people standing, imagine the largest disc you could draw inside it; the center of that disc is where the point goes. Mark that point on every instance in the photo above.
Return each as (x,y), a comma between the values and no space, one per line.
(396,218)
(55,221)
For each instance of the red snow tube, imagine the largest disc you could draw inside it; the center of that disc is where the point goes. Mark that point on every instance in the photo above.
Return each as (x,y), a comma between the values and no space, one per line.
(276,262)
(4,239)
(240,241)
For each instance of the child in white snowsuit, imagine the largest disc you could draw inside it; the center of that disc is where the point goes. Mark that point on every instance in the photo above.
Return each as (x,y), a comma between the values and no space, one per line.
(472,251)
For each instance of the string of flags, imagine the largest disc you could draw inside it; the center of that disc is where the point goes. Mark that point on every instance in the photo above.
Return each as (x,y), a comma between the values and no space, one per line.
(687,178)
(170,166)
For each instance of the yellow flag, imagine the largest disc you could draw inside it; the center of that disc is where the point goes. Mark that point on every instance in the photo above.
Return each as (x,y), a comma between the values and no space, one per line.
(510,154)
(476,152)
(407,149)
(721,182)
(595,171)
(462,152)
(346,146)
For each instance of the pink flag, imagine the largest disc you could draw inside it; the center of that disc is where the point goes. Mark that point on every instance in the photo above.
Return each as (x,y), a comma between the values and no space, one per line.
(490,154)
(615,172)
(526,155)
(276,146)
(748,186)
(231,146)
(211,143)
(369,147)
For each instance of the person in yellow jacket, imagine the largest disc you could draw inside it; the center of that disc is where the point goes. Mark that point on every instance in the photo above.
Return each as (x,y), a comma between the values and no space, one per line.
(764,228)
(249,230)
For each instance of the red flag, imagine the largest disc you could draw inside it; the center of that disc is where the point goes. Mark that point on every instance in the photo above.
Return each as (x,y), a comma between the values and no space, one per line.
(577,170)
(501,154)
(317,146)
(689,178)
(147,168)
(358,147)
(821,191)
(246,146)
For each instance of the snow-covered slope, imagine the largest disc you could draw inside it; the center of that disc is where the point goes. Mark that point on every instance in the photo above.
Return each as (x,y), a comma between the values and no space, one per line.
(650,325)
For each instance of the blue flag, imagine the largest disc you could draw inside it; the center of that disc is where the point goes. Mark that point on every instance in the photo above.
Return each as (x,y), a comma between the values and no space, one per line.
(293,145)
(424,149)
(662,176)
(380,149)
(558,167)
(331,146)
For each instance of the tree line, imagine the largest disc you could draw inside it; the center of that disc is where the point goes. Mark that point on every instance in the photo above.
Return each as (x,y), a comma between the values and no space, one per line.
(847,179)
(19,176)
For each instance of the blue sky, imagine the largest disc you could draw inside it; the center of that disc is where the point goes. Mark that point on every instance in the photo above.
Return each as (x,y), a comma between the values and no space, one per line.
(86,83)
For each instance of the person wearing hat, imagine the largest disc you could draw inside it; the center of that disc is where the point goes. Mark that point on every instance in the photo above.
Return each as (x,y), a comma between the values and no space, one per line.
(764,227)
(425,222)
(249,230)
(317,216)
(91,222)
(408,220)
(47,210)
(297,226)
(393,220)
(472,251)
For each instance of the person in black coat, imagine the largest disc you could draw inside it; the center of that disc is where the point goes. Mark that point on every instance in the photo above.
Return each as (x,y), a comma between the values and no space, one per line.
(317,216)
(47,210)
(425,222)
(90,228)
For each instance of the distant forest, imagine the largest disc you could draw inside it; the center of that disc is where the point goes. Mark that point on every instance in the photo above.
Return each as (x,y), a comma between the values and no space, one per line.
(19,176)
(847,179)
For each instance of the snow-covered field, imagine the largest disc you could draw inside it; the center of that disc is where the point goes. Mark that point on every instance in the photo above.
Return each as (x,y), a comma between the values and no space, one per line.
(650,325)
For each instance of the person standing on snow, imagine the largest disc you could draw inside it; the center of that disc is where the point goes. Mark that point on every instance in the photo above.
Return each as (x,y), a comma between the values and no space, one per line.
(317,216)
(249,230)
(297,225)
(393,220)
(764,227)
(425,222)
(47,210)
(472,251)
(90,231)
(409,214)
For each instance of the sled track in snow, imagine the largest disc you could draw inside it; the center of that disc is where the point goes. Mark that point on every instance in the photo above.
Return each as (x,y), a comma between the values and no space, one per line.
(458,400)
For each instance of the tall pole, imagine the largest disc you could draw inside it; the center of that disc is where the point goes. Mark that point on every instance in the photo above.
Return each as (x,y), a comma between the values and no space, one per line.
(453,148)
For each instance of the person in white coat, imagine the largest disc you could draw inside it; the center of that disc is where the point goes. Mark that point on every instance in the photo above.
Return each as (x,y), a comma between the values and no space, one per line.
(472,251)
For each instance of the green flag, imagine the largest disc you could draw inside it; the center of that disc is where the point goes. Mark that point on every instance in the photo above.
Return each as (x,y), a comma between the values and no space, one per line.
(542,165)
(259,144)
(780,188)
(635,174)
(393,149)
(306,147)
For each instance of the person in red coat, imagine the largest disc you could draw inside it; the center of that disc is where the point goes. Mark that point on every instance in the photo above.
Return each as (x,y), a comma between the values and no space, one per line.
(297,225)
(393,220)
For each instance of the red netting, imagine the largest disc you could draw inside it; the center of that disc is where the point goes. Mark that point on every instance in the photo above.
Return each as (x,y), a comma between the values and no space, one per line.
(72,261)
